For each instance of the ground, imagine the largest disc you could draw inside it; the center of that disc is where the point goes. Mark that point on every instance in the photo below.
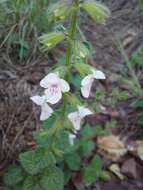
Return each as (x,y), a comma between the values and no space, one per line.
(18,117)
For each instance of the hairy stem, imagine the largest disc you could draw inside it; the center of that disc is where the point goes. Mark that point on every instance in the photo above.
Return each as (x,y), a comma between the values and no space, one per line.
(72,32)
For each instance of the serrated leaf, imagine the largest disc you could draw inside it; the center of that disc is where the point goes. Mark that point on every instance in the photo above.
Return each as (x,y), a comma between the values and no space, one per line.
(93,170)
(50,40)
(96,10)
(87,147)
(96,163)
(88,132)
(34,161)
(28,183)
(28,162)
(13,176)
(73,161)
(53,179)
(89,175)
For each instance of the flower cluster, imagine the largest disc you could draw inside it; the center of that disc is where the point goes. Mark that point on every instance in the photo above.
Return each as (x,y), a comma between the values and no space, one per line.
(54,87)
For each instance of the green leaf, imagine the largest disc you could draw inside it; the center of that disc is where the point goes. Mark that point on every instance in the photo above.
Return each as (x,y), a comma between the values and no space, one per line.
(138,104)
(13,176)
(89,175)
(97,11)
(50,40)
(88,132)
(73,161)
(96,163)
(104,176)
(83,69)
(50,122)
(67,175)
(87,147)
(99,131)
(73,101)
(53,179)
(28,183)
(93,170)
(76,80)
(137,57)
(34,161)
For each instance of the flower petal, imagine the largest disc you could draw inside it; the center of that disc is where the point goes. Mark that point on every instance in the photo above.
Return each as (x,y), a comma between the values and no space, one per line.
(86,85)
(39,100)
(84,111)
(71,138)
(64,85)
(51,78)
(87,80)
(53,94)
(75,119)
(85,90)
(98,74)
(46,112)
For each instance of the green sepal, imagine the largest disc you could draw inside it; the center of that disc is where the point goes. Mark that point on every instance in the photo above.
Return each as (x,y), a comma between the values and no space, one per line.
(83,69)
(58,11)
(96,10)
(50,40)
(81,50)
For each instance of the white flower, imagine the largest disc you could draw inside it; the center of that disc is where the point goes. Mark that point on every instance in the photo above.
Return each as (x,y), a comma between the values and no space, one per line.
(87,81)
(46,110)
(76,117)
(54,87)
(71,138)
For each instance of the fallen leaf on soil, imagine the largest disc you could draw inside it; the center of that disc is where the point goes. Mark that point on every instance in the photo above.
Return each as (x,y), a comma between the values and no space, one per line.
(116,170)
(111,147)
(132,169)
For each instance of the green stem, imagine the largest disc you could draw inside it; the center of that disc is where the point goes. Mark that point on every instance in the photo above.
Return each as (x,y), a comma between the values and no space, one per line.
(70,41)
(72,32)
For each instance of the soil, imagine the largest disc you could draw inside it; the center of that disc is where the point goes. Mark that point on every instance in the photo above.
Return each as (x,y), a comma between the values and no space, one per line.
(18,116)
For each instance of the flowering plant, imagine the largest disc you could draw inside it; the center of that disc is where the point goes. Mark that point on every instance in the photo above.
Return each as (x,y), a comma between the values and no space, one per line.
(60,144)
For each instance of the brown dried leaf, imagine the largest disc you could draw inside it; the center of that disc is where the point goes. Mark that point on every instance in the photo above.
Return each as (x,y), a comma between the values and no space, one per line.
(116,170)
(111,147)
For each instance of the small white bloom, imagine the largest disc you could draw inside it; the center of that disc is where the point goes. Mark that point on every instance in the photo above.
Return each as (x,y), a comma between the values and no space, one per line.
(71,138)
(46,110)
(87,81)
(76,117)
(86,85)
(54,87)
(98,74)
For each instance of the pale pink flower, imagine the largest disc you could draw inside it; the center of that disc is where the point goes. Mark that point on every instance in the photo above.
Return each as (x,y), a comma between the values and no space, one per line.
(87,81)
(76,117)
(46,110)
(54,86)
